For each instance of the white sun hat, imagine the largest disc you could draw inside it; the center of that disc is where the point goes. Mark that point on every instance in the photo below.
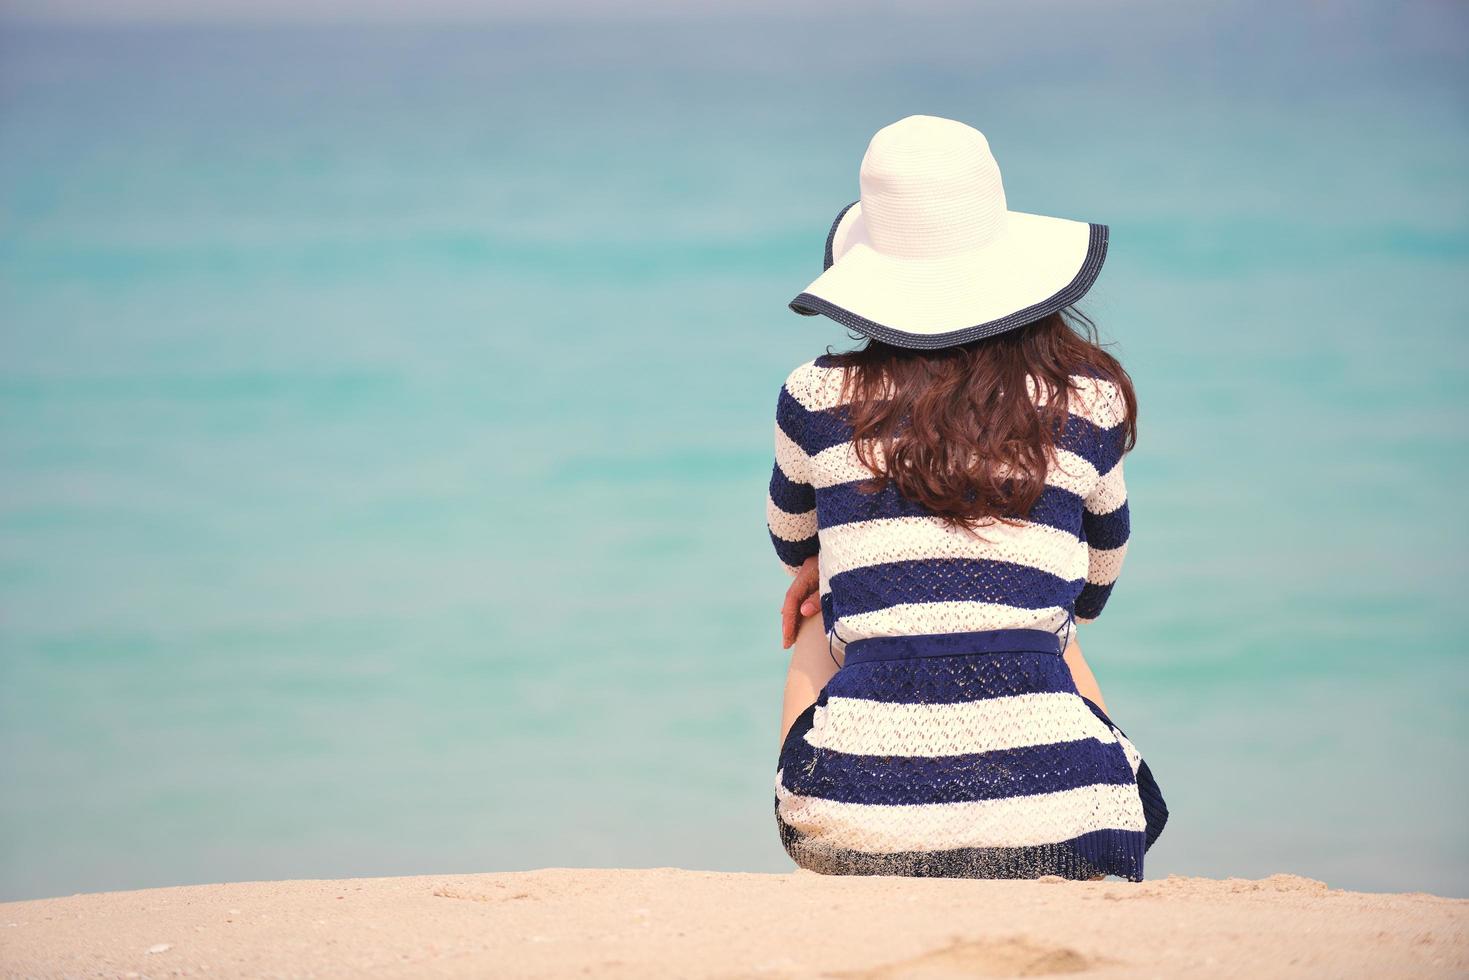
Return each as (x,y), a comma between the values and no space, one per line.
(930,256)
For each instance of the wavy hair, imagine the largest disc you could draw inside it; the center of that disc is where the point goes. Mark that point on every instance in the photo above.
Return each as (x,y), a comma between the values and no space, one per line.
(969,431)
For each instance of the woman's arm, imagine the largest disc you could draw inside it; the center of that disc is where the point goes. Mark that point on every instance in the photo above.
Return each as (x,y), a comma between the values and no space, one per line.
(1081,673)
(1105,517)
(790,506)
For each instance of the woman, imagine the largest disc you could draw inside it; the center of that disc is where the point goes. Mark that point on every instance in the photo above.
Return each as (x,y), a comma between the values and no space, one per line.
(950,497)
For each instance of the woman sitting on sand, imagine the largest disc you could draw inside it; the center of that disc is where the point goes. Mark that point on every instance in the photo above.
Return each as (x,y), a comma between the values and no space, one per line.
(950,498)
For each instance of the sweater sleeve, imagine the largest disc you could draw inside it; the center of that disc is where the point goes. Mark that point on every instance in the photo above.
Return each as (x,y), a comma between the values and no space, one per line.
(1105,518)
(790,506)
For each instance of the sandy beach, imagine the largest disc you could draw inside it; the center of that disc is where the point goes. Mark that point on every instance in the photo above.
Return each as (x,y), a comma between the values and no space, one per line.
(667,922)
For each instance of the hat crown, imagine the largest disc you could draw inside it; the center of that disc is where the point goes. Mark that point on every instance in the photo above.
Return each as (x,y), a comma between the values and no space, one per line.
(931,187)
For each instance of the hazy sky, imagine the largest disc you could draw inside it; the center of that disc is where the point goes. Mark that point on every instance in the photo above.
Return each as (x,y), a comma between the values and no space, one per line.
(418,10)
(432,10)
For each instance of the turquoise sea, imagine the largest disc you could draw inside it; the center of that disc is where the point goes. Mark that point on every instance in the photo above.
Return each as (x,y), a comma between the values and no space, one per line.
(385,421)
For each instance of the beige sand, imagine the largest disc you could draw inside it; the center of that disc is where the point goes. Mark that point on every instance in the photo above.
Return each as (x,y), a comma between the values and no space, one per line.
(667,922)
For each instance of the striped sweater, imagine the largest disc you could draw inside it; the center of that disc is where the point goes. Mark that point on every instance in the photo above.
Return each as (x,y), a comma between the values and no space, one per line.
(889,567)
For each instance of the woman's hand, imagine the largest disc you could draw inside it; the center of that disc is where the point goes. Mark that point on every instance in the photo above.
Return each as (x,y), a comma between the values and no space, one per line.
(800,601)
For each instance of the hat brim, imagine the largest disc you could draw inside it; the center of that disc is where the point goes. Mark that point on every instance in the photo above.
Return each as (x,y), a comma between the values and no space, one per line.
(1036,266)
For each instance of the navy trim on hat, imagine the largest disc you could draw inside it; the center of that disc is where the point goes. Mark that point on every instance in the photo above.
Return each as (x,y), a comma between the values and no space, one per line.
(831,236)
(1096,252)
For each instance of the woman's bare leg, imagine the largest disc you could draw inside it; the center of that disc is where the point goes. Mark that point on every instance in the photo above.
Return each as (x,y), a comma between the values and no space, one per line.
(1081,673)
(811,667)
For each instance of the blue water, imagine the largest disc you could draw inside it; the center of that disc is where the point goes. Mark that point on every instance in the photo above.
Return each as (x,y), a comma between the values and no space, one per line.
(385,418)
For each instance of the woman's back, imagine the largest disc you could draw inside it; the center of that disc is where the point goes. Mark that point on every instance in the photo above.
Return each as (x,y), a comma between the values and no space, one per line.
(890,567)
(953,740)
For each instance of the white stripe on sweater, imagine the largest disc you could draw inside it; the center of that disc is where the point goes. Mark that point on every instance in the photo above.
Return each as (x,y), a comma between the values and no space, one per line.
(920,538)
(1107,493)
(861,727)
(1103,567)
(1017,821)
(950,617)
(787,526)
(791,458)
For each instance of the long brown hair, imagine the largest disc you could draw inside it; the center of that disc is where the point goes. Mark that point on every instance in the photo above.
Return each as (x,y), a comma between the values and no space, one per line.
(960,430)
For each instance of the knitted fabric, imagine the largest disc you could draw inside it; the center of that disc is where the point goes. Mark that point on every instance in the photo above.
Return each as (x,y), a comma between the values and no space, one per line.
(956,755)
(986,765)
(890,568)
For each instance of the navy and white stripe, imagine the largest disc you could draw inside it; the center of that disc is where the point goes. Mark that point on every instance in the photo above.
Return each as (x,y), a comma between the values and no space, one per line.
(987,764)
(888,567)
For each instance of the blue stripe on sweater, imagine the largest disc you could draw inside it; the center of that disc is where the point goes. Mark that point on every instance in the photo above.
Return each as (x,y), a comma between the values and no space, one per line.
(790,496)
(1093,597)
(1100,447)
(873,587)
(1107,531)
(794,552)
(905,781)
(950,680)
(812,431)
(845,503)
(951,644)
